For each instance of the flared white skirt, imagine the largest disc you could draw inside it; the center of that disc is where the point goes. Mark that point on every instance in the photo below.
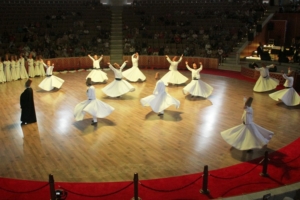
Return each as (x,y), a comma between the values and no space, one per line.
(265,84)
(118,88)
(174,77)
(198,88)
(288,96)
(97,76)
(94,107)
(18,72)
(134,74)
(246,137)
(7,74)
(23,73)
(51,82)
(14,75)
(160,102)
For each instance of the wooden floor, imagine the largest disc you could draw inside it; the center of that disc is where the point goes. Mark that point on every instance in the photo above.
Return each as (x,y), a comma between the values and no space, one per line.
(133,138)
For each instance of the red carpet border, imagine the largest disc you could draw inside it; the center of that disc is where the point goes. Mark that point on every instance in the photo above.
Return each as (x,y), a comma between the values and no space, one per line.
(283,169)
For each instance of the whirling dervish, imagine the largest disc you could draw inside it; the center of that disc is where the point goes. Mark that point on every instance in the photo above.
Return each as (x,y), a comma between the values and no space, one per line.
(197,87)
(97,75)
(174,76)
(119,86)
(134,73)
(265,82)
(92,105)
(160,99)
(248,135)
(51,81)
(288,96)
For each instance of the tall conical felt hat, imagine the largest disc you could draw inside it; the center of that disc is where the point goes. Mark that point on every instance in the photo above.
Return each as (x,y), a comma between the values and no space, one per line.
(88,81)
(157,76)
(28,82)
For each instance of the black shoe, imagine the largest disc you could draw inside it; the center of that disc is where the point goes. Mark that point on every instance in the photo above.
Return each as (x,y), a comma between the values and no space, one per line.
(160,114)
(93,123)
(249,151)
(23,123)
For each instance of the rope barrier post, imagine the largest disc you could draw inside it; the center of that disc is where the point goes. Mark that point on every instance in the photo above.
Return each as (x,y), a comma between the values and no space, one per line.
(52,189)
(265,165)
(204,189)
(136,187)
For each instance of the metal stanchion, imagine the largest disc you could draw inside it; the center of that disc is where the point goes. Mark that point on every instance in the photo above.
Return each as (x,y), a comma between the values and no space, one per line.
(204,189)
(265,165)
(136,187)
(51,186)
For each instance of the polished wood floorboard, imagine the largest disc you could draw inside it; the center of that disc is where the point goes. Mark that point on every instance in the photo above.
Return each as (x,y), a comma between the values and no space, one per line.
(133,138)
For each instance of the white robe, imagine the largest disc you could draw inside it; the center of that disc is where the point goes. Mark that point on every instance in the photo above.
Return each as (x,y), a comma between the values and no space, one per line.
(93,106)
(13,66)
(51,81)
(7,70)
(265,82)
(37,70)
(120,86)
(23,72)
(286,83)
(97,75)
(41,69)
(2,74)
(134,73)
(174,76)
(288,95)
(249,135)
(160,99)
(31,71)
(18,69)
(197,87)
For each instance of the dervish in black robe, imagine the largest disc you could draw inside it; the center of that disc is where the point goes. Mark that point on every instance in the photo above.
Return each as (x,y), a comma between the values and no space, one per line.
(27,105)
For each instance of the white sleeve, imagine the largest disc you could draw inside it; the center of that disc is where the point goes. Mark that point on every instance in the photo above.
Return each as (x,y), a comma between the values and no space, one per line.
(188,67)
(269,66)
(168,59)
(201,67)
(89,93)
(46,66)
(91,58)
(180,59)
(123,65)
(100,58)
(257,69)
(111,67)
(285,76)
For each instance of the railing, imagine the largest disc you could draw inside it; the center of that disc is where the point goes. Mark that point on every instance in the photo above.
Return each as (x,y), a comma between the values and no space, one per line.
(145,62)
(200,180)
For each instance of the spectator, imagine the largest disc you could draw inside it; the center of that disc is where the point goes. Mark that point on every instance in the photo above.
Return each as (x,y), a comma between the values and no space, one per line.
(220,55)
(149,50)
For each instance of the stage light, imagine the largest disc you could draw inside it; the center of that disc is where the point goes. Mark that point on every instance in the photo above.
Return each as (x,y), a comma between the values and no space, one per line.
(61,194)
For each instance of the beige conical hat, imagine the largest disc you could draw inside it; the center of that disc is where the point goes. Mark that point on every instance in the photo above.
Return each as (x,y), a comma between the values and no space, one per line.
(157,76)
(88,81)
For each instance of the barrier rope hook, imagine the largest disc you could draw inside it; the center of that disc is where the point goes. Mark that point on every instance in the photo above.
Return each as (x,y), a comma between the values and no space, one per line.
(136,187)
(204,189)
(265,165)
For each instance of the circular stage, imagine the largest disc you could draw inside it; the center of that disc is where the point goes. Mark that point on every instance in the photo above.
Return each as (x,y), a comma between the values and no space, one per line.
(133,138)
